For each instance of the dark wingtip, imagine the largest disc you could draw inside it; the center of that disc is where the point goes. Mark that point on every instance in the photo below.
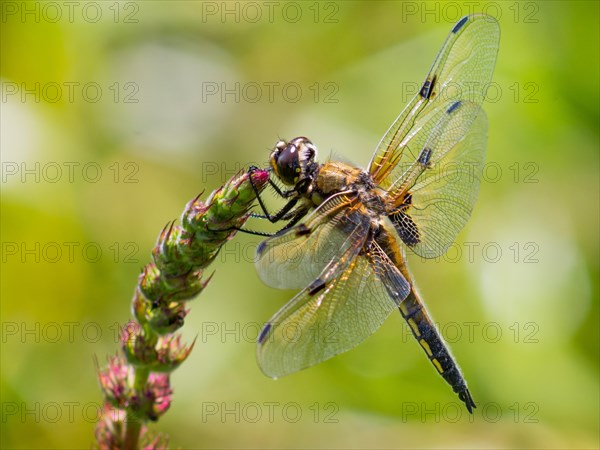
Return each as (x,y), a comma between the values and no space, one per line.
(465,396)
(260,249)
(264,333)
(460,24)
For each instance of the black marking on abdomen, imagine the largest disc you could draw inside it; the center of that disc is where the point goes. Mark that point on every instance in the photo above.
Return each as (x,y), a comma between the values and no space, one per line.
(264,333)
(460,24)
(416,308)
(316,286)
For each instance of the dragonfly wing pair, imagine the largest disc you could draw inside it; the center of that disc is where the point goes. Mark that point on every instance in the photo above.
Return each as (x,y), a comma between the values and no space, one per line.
(433,154)
(344,303)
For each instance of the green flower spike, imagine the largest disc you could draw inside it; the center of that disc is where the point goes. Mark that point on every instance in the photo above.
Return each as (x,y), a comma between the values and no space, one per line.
(136,385)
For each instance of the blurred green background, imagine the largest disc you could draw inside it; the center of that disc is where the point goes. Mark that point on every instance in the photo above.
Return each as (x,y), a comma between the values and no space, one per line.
(116,114)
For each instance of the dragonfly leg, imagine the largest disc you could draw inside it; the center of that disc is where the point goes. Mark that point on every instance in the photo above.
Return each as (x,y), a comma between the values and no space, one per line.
(284,194)
(283,214)
(293,217)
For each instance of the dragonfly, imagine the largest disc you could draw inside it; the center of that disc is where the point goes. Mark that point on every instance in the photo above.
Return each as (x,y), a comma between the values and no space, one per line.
(348,229)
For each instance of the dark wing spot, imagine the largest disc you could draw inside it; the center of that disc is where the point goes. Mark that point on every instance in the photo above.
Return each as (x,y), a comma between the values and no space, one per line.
(425,156)
(427,89)
(316,286)
(264,333)
(406,228)
(460,24)
(302,230)
(453,107)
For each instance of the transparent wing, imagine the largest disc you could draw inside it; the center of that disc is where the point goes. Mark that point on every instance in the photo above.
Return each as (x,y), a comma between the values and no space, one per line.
(460,73)
(340,309)
(294,258)
(436,194)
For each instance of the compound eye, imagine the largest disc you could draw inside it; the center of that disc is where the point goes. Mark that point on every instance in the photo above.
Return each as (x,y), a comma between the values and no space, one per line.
(288,165)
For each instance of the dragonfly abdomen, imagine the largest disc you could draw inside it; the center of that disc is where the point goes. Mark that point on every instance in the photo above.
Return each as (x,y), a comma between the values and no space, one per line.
(422,327)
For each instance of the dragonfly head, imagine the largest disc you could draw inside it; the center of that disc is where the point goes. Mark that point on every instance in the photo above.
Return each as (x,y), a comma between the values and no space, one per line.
(292,160)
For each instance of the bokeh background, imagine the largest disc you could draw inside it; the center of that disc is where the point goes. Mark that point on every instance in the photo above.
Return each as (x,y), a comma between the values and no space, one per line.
(115,114)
